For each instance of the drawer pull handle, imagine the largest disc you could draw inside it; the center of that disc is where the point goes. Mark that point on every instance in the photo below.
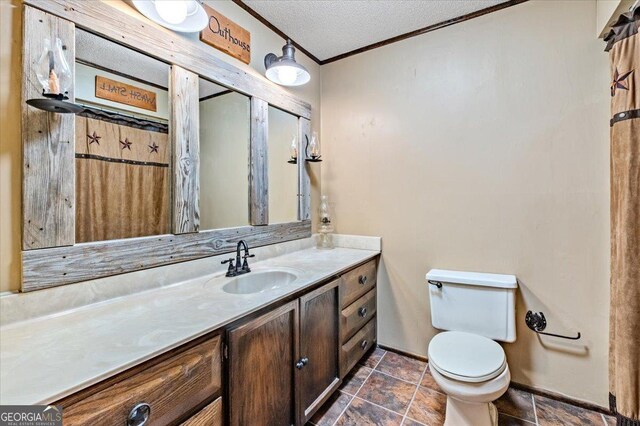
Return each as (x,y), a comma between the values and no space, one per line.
(362,279)
(364,344)
(362,312)
(139,414)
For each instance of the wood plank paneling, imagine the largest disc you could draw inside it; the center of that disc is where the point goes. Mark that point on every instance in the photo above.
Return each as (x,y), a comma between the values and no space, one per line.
(184,126)
(304,182)
(65,265)
(139,33)
(48,141)
(258,163)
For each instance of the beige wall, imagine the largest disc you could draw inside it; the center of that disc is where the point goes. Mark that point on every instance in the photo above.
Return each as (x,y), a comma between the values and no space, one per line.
(263,42)
(484,147)
(224,161)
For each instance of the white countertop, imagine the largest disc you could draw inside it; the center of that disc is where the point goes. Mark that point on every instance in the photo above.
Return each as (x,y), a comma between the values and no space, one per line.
(49,357)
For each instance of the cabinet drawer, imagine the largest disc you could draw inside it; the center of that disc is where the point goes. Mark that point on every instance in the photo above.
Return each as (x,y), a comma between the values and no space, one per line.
(171,388)
(354,316)
(211,415)
(358,345)
(357,282)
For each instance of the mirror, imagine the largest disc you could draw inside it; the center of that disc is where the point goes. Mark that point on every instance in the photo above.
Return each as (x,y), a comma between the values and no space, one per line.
(224,157)
(122,145)
(283,175)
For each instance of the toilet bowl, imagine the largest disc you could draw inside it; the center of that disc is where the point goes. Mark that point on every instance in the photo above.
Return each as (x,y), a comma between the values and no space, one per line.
(472,371)
(474,310)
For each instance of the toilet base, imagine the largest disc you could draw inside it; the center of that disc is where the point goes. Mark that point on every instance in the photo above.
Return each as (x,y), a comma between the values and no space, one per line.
(464,413)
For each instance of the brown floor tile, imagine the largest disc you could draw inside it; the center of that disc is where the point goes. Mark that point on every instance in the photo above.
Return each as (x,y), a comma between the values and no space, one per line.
(402,367)
(610,420)
(504,420)
(429,382)
(355,379)
(387,392)
(410,422)
(331,410)
(361,413)
(551,412)
(516,403)
(428,407)
(372,359)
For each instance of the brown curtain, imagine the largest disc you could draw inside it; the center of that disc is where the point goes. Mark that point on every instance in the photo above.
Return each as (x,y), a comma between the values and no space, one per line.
(623,44)
(122,177)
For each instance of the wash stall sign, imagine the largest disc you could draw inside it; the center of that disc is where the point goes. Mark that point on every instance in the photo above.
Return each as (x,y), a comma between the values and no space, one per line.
(227,36)
(124,93)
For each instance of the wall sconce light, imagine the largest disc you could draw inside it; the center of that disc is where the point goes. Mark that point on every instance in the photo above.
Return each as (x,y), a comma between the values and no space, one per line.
(284,70)
(185,16)
(54,74)
(313,156)
(311,150)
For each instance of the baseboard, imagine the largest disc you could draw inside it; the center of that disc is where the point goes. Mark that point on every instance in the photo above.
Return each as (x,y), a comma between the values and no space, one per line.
(405,353)
(562,398)
(536,391)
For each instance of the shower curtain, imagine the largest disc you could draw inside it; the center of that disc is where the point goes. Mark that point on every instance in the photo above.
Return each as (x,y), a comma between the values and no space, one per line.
(623,45)
(122,177)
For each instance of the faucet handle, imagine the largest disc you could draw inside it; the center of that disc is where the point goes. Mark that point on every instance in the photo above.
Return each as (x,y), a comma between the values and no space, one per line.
(231,270)
(248,255)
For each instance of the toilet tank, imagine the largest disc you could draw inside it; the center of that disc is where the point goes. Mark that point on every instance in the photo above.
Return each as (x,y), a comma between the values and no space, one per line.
(474,302)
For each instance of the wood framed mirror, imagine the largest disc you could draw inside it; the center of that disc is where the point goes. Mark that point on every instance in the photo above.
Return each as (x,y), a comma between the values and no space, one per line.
(62,201)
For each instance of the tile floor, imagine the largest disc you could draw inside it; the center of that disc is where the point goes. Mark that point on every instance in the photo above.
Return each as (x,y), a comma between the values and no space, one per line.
(391,389)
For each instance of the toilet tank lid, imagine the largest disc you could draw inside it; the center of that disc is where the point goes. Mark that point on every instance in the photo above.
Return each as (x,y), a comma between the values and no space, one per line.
(473,278)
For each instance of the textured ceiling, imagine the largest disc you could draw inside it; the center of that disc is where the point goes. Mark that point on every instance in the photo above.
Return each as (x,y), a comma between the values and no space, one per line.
(327,28)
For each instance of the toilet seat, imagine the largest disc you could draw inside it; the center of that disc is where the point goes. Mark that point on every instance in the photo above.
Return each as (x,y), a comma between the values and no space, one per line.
(466,357)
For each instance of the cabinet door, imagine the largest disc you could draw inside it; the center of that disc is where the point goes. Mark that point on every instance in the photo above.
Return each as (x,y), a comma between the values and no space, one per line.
(319,348)
(262,374)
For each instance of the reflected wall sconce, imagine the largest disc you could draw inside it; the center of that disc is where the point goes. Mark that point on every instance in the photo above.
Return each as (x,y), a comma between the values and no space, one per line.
(184,16)
(54,74)
(284,70)
(311,150)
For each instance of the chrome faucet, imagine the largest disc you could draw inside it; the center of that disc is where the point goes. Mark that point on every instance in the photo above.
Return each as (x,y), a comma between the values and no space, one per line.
(236,269)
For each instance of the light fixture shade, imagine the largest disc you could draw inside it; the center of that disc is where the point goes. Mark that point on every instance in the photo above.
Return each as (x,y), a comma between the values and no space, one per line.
(185,16)
(288,73)
(284,70)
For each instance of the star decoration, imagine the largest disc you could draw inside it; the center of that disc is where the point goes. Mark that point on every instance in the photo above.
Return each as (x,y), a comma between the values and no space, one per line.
(618,81)
(125,144)
(94,138)
(154,148)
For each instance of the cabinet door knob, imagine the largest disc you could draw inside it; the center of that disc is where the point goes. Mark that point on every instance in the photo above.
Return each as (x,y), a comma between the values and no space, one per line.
(362,279)
(139,414)
(364,344)
(362,312)
(301,363)
(304,361)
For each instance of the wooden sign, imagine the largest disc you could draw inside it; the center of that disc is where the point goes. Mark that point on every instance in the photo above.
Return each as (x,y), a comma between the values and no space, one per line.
(124,93)
(226,35)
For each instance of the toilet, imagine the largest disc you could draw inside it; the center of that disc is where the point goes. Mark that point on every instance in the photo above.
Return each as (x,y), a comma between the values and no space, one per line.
(475,310)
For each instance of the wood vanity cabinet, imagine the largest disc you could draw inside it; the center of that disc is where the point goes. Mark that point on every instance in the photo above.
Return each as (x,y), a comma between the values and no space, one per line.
(167,390)
(283,365)
(358,315)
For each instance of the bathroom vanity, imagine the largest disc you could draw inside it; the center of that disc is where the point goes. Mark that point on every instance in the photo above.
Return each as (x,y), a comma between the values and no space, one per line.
(204,351)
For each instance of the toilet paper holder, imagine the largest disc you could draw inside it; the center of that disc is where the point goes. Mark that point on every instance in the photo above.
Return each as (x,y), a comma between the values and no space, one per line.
(537,322)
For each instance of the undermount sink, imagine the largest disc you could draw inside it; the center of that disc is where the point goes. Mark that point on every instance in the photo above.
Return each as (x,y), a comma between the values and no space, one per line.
(259,281)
